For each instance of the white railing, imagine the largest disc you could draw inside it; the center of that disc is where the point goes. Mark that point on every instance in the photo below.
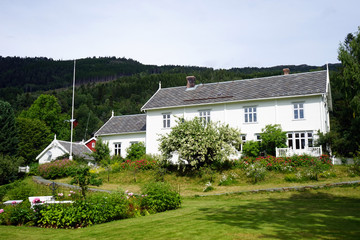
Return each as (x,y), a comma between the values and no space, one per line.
(288,152)
(284,152)
(315,151)
(24,169)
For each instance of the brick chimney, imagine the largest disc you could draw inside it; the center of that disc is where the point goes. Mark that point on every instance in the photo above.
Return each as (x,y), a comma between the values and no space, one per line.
(190,81)
(286,71)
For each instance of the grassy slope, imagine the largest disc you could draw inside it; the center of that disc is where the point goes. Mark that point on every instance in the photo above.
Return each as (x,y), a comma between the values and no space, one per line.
(191,186)
(317,214)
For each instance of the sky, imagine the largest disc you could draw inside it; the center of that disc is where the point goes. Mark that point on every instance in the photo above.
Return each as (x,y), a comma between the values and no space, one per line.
(209,33)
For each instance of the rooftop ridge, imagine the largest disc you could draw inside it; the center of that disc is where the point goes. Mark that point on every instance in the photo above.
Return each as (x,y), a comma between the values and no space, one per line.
(248,79)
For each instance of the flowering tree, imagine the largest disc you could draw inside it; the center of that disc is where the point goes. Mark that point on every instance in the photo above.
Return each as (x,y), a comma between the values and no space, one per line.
(199,144)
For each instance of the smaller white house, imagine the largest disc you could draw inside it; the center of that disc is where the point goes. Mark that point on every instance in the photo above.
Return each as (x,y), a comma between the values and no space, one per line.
(58,148)
(120,132)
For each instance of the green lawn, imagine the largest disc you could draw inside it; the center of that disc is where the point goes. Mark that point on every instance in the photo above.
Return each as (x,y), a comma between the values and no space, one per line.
(332,213)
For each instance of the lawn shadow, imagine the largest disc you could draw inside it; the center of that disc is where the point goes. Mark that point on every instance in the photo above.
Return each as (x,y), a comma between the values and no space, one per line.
(303,215)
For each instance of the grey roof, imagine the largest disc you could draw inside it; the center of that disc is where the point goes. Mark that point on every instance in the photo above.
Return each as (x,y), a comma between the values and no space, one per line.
(79,149)
(123,124)
(240,90)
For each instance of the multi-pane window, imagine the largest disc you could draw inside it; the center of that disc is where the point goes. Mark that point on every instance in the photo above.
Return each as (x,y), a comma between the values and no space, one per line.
(298,111)
(250,114)
(166,120)
(299,140)
(204,116)
(117,148)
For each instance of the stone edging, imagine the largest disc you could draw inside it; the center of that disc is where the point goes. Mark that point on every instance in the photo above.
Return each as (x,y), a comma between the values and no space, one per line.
(46,182)
(285,189)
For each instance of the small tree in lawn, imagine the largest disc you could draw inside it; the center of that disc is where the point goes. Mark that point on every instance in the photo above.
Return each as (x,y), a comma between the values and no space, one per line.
(199,144)
(272,137)
(84,178)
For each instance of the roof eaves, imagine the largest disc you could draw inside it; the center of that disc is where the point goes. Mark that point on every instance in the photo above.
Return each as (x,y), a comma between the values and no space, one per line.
(123,133)
(235,101)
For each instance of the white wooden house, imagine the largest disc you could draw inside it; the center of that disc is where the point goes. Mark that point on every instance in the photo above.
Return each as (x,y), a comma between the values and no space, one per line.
(300,103)
(122,131)
(58,148)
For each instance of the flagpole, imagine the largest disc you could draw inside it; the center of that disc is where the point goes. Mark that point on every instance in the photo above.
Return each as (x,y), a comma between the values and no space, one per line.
(72,115)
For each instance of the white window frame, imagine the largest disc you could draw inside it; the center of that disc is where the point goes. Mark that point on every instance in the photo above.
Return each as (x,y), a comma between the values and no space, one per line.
(166,120)
(298,111)
(250,114)
(117,148)
(258,137)
(205,115)
(300,140)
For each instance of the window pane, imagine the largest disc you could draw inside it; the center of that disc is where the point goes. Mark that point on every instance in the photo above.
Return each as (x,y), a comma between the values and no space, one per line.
(290,143)
(254,110)
(310,142)
(296,114)
(297,144)
(302,135)
(297,135)
(246,118)
(255,120)
(290,135)
(301,113)
(301,105)
(302,143)
(250,117)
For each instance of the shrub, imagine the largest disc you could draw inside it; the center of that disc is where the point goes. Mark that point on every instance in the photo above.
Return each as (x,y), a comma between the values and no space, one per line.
(285,164)
(98,208)
(251,148)
(160,197)
(9,168)
(272,137)
(136,151)
(142,164)
(84,178)
(354,169)
(256,172)
(17,214)
(208,187)
(227,180)
(198,143)
(57,169)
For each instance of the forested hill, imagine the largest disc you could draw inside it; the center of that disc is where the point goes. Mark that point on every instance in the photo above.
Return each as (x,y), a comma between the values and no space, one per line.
(34,74)
(107,84)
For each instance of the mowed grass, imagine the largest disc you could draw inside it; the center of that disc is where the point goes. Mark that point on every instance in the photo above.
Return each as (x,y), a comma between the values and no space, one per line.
(332,213)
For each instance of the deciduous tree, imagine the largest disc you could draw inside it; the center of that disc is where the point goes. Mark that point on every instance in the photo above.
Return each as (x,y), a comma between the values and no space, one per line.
(34,137)
(198,144)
